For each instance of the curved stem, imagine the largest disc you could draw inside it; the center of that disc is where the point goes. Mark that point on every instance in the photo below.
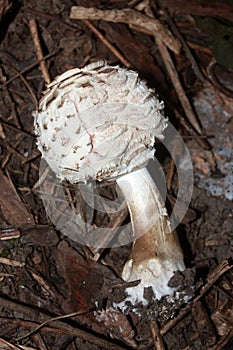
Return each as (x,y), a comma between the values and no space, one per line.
(156,252)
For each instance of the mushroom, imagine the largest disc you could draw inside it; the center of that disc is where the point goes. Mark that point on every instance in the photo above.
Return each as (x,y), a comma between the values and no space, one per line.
(100,123)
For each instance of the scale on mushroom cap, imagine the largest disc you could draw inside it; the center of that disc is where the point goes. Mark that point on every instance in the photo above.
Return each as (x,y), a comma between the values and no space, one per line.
(100,123)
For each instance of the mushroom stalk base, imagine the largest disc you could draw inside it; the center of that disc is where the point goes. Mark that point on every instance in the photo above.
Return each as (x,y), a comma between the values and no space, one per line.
(156,252)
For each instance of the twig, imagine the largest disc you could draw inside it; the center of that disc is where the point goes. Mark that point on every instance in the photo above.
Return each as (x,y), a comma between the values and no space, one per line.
(2,134)
(42,282)
(20,156)
(26,69)
(134,3)
(41,179)
(106,42)
(115,222)
(39,342)
(9,262)
(34,99)
(204,324)
(9,154)
(199,47)
(11,103)
(156,336)
(52,17)
(223,342)
(177,85)
(185,47)
(128,16)
(30,325)
(203,142)
(34,156)
(170,175)
(38,48)
(9,345)
(171,70)
(102,341)
(9,233)
(53,319)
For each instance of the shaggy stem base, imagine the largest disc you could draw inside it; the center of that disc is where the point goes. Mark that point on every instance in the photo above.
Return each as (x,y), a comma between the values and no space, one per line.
(156,252)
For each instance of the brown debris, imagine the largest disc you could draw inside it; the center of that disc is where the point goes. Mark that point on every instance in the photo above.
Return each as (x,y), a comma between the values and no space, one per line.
(38,48)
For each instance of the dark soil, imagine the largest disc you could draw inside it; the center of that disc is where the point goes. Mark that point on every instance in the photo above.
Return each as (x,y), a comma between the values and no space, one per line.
(44,274)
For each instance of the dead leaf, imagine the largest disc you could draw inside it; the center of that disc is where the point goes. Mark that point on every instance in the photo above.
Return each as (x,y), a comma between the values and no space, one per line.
(82,278)
(13,209)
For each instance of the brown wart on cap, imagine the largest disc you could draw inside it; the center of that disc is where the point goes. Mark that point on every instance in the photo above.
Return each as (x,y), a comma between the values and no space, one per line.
(115,121)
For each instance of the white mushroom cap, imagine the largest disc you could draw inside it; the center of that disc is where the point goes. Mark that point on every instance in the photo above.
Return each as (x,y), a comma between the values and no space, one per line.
(98,122)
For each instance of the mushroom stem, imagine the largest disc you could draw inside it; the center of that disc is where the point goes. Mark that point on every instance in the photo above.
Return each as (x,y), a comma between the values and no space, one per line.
(156,252)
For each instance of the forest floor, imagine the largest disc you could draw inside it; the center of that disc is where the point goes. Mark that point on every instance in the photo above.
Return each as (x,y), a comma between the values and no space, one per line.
(56,293)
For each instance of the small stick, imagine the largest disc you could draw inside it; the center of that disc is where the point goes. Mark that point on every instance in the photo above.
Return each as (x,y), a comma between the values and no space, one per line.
(54,18)
(107,43)
(115,222)
(26,69)
(30,325)
(34,99)
(53,319)
(178,34)
(170,175)
(43,283)
(169,65)
(8,345)
(204,325)
(203,142)
(2,134)
(172,72)
(10,262)
(39,52)
(23,159)
(224,341)
(9,154)
(199,47)
(177,85)
(156,336)
(9,233)
(32,157)
(39,342)
(129,16)
(11,103)
(102,341)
